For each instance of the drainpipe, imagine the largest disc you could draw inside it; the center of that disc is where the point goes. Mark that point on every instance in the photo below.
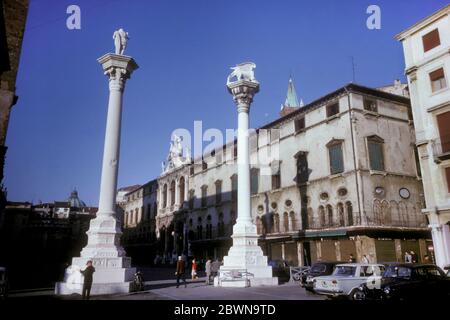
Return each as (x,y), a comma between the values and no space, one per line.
(354,153)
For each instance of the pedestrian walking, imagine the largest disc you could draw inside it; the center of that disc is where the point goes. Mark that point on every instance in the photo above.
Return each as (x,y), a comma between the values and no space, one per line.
(215,266)
(208,271)
(365,259)
(180,271)
(87,283)
(194,269)
(414,257)
(408,257)
(351,258)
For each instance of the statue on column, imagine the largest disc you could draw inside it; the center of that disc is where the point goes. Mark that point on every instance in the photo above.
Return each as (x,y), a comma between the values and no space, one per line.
(120,40)
(242,71)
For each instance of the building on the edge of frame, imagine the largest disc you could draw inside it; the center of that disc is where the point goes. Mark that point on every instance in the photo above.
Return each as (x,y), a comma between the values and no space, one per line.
(426,48)
(347,181)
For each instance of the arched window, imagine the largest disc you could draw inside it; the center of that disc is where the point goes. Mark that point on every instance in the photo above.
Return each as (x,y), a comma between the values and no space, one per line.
(182,185)
(199,228)
(136,216)
(376,212)
(164,196)
(276,223)
(286,222)
(208,227)
(172,193)
(221,226)
(349,207)
(341,216)
(125,219)
(204,199)
(321,216)
(386,213)
(310,218)
(233,179)
(259,227)
(233,217)
(330,215)
(293,220)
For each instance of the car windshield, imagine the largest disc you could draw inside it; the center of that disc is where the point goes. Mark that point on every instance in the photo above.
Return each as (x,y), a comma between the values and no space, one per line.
(344,271)
(318,268)
(397,272)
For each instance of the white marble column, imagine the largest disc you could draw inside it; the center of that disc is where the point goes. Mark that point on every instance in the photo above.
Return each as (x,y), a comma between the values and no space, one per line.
(113,269)
(245,254)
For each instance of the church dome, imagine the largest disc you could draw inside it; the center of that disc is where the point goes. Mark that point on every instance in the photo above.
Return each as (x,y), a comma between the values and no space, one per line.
(74,201)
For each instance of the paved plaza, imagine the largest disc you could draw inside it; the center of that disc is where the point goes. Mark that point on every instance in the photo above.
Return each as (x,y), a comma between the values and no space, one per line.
(196,290)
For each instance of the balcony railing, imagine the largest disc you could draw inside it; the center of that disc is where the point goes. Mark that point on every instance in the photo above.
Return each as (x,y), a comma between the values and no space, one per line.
(411,221)
(441,148)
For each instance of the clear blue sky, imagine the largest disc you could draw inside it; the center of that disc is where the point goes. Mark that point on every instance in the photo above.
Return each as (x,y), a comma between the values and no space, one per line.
(184,50)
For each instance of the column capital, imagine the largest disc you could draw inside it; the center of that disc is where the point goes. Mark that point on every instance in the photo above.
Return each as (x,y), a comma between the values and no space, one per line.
(118,68)
(243,92)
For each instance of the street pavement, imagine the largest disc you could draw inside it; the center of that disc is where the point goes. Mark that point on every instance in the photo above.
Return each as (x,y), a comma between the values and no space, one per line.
(161,285)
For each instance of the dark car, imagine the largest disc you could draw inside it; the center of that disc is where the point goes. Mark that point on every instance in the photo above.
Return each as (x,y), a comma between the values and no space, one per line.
(281,269)
(322,268)
(406,281)
(3,283)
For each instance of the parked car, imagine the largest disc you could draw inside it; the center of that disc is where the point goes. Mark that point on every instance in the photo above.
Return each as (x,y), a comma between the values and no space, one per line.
(405,281)
(322,268)
(346,280)
(3,283)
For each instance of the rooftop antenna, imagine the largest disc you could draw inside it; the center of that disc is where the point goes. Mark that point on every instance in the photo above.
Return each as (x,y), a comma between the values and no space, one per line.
(353,69)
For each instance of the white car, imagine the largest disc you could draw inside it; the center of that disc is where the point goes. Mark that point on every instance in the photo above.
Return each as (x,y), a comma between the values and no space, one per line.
(347,278)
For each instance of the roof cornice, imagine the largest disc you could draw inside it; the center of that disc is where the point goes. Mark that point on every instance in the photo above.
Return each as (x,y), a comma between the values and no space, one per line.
(423,23)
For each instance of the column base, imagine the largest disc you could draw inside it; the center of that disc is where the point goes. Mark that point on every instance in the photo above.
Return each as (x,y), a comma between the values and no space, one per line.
(245,265)
(112,275)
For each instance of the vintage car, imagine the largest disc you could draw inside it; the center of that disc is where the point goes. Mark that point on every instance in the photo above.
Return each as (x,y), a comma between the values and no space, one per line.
(346,280)
(407,281)
(3,283)
(321,268)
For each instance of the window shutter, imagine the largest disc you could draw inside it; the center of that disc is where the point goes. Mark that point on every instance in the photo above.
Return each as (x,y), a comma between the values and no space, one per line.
(443,121)
(447,175)
(431,40)
(437,74)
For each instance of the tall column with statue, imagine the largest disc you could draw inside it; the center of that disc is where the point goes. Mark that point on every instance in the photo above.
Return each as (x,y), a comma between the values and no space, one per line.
(113,269)
(245,262)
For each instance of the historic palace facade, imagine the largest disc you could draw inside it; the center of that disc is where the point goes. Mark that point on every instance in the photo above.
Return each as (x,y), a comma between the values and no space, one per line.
(346,181)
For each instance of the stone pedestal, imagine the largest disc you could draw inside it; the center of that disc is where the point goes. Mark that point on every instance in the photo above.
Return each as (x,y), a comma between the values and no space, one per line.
(245,254)
(113,269)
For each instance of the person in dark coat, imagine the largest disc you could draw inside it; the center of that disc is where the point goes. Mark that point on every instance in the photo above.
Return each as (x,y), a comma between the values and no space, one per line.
(87,284)
(180,271)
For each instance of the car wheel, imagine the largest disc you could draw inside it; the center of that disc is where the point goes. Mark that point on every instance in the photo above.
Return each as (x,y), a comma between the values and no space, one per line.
(357,294)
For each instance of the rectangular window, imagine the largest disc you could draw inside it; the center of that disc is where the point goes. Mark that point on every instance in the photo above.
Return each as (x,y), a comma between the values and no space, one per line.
(234,188)
(336,158)
(204,165)
(447,176)
(332,109)
(254,180)
(274,134)
(191,170)
(299,124)
(376,155)
(443,122)
(431,40)
(437,79)
(276,181)
(370,104)
(218,192)
(204,196)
